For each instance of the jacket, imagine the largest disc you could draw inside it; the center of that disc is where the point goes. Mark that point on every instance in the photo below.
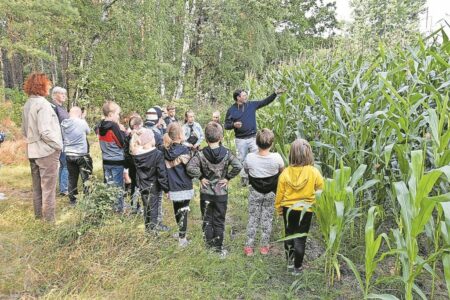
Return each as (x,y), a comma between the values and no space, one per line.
(112,141)
(297,184)
(40,127)
(150,170)
(246,113)
(176,159)
(214,165)
(197,131)
(74,136)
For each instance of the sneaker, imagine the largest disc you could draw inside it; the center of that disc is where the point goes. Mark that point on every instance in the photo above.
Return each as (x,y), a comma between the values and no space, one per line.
(290,264)
(264,250)
(162,227)
(182,242)
(64,194)
(223,253)
(248,251)
(297,271)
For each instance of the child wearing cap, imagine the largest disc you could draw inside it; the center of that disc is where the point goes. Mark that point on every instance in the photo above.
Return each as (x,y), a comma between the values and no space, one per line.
(151,176)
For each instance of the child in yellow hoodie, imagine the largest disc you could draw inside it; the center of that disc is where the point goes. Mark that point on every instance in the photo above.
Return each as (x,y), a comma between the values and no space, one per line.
(296,191)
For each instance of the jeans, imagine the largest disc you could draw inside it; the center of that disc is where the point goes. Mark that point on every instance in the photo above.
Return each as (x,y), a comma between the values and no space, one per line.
(295,248)
(63,174)
(114,176)
(43,173)
(243,147)
(214,223)
(78,166)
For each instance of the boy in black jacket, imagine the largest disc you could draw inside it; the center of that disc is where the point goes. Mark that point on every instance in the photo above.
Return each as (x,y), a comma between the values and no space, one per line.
(212,167)
(151,174)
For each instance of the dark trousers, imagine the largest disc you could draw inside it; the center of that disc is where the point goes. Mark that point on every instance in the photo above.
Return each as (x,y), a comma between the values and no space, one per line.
(78,166)
(295,248)
(151,200)
(181,209)
(214,223)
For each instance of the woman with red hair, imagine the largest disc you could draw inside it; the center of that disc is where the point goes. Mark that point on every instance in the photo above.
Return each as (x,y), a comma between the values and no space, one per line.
(40,126)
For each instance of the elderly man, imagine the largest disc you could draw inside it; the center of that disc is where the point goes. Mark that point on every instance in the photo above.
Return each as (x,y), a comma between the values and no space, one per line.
(59,96)
(241,117)
(216,116)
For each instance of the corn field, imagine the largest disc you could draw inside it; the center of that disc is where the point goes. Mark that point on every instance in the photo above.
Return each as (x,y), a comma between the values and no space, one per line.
(379,127)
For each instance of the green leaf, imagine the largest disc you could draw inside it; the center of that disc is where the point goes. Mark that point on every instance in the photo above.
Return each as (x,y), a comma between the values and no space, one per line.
(382,296)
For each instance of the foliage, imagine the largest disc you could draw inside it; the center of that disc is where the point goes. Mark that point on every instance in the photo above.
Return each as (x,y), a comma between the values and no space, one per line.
(98,203)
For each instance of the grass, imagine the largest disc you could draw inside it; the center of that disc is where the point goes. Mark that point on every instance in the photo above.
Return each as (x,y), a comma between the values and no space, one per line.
(117,260)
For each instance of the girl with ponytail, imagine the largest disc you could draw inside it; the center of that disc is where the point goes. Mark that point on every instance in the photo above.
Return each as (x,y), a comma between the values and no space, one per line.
(181,191)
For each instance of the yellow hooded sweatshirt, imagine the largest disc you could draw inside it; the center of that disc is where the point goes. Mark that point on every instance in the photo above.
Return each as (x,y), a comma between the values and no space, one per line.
(297,184)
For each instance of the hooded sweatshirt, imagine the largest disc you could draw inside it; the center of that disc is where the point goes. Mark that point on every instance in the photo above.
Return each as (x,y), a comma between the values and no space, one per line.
(176,158)
(74,132)
(297,184)
(150,169)
(214,165)
(112,141)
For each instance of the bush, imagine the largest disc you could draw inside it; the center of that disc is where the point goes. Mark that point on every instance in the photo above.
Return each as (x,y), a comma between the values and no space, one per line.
(96,205)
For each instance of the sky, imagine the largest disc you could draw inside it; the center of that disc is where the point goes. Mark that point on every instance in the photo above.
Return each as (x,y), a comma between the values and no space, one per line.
(437,10)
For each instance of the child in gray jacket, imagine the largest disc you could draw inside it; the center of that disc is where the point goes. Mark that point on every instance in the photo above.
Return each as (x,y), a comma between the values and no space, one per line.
(215,165)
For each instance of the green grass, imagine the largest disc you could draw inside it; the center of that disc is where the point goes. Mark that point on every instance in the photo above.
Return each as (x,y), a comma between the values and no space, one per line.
(117,260)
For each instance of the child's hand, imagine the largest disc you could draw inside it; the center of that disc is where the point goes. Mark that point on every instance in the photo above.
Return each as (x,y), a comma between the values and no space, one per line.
(223,183)
(204,182)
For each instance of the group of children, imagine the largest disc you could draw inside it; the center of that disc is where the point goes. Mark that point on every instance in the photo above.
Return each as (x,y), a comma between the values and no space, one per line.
(170,166)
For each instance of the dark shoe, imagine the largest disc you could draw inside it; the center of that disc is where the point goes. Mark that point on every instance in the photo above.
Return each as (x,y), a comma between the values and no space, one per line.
(64,194)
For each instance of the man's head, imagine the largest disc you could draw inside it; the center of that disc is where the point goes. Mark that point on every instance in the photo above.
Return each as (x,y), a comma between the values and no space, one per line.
(171,111)
(264,138)
(75,112)
(111,111)
(59,95)
(240,96)
(216,116)
(213,132)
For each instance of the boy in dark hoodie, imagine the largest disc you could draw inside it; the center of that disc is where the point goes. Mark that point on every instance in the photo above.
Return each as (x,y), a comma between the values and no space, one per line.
(76,148)
(112,140)
(151,175)
(212,166)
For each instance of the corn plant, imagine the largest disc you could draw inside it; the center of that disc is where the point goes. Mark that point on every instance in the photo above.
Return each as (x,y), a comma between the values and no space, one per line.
(336,211)
(372,247)
(445,229)
(416,208)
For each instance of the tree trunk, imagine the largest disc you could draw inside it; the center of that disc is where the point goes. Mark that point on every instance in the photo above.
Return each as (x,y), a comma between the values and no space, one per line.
(189,11)
(54,65)
(2,79)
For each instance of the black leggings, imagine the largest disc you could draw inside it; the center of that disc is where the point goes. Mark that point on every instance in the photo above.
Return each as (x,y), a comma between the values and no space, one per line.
(295,248)
(181,209)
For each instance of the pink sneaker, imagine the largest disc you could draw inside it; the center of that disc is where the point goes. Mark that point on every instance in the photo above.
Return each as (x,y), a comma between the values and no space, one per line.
(248,251)
(264,250)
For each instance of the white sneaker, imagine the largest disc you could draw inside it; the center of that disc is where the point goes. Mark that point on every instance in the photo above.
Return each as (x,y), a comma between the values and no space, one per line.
(182,242)
(223,254)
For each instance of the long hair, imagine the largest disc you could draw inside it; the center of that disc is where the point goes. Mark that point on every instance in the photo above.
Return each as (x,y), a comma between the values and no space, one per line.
(301,153)
(173,132)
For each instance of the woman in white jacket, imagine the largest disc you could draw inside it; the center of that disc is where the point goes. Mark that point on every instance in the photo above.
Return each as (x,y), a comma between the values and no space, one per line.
(40,126)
